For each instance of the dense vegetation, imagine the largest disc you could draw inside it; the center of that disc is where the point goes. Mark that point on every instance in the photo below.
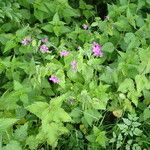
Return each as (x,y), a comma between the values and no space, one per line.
(74,74)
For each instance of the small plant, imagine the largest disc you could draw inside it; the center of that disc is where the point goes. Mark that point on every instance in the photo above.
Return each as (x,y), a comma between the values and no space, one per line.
(127,133)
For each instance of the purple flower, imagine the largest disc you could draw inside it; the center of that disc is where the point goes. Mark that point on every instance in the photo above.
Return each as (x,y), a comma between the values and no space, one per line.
(54,79)
(44,48)
(85,26)
(97,49)
(44,40)
(26,41)
(74,65)
(64,53)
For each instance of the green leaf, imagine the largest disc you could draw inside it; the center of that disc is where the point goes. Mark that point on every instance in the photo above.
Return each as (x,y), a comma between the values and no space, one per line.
(100,136)
(61,116)
(99,104)
(90,116)
(87,73)
(137,132)
(32,142)
(48,28)
(51,132)
(57,30)
(21,133)
(37,108)
(130,17)
(94,24)
(22,32)
(108,47)
(127,121)
(57,102)
(146,114)
(129,37)
(108,75)
(17,85)
(122,24)
(126,85)
(14,145)
(142,83)
(9,45)
(6,123)
(102,139)
(56,18)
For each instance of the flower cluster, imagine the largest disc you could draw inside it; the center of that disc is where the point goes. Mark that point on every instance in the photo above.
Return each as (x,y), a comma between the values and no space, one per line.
(44,48)
(64,53)
(97,49)
(54,79)
(26,41)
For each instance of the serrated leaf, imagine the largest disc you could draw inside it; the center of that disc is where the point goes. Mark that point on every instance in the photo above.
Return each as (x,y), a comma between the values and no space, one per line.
(137,132)
(6,123)
(13,145)
(37,108)
(21,133)
(17,85)
(126,85)
(31,141)
(61,116)
(51,132)
(127,121)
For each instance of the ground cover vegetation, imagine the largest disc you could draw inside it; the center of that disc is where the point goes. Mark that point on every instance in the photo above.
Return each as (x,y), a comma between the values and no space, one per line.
(74,74)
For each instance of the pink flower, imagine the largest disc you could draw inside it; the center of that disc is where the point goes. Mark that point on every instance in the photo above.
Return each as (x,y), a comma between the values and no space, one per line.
(74,65)
(44,40)
(54,79)
(26,41)
(97,49)
(85,26)
(44,48)
(64,53)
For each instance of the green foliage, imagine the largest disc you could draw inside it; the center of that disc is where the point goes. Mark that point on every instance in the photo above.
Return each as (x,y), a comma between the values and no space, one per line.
(71,79)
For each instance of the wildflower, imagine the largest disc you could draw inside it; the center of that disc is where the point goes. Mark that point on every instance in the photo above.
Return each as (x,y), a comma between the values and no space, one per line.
(44,40)
(54,79)
(26,41)
(64,53)
(44,48)
(96,49)
(74,65)
(85,26)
